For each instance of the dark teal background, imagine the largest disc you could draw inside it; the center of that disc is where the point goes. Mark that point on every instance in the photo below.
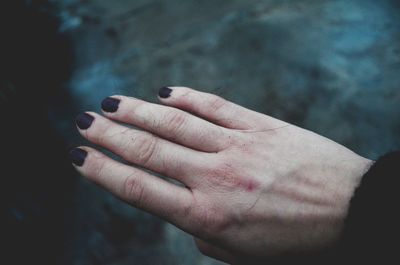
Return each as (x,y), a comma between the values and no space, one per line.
(332,67)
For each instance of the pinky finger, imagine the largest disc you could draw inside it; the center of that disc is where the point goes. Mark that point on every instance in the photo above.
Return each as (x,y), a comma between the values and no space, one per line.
(134,186)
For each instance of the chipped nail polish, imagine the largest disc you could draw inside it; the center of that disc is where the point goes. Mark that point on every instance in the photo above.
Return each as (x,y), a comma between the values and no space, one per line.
(164,92)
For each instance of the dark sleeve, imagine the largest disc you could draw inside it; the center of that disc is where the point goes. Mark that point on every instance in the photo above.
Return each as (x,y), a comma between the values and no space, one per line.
(371,231)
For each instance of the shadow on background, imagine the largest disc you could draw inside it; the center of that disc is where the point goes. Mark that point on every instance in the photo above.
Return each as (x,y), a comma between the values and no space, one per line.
(36,182)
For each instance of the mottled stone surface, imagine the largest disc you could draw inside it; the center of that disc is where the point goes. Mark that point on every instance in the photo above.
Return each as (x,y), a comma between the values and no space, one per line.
(329,66)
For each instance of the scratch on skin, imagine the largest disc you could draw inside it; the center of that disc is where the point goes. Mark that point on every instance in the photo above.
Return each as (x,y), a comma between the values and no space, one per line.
(254,204)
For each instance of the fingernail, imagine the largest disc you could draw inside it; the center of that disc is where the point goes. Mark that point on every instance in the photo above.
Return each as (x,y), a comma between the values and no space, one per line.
(110,104)
(84,121)
(78,156)
(164,92)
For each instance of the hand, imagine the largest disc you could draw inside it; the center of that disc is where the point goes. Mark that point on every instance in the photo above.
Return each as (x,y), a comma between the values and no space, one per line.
(253,186)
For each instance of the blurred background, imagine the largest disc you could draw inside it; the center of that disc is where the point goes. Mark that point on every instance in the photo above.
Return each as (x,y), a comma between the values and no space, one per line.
(332,67)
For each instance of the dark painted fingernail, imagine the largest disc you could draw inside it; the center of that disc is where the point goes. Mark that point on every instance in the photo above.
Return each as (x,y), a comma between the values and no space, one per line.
(84,121)
(164,92)
(78,156)
(110,104)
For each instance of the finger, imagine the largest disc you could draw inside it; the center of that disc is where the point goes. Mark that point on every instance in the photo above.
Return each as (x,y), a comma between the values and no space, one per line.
(213,108)
(142,148)
(169,123)
(135,186)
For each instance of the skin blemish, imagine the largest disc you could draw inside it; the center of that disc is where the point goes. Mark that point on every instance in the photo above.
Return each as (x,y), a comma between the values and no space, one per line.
(250,186)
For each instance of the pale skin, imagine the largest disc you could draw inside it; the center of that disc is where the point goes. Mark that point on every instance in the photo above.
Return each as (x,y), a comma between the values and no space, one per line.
(253,186)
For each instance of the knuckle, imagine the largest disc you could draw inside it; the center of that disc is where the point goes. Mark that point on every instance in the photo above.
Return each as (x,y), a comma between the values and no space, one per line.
(133,190)
(237,137)
(216,103)
(99,167)
(175,121)
(229,177)
(105,134)
(146,147)
(96,168)
(223,175)
(122,143)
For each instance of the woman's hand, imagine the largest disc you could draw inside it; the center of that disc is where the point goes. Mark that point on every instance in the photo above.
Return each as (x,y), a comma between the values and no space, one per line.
(253,186)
